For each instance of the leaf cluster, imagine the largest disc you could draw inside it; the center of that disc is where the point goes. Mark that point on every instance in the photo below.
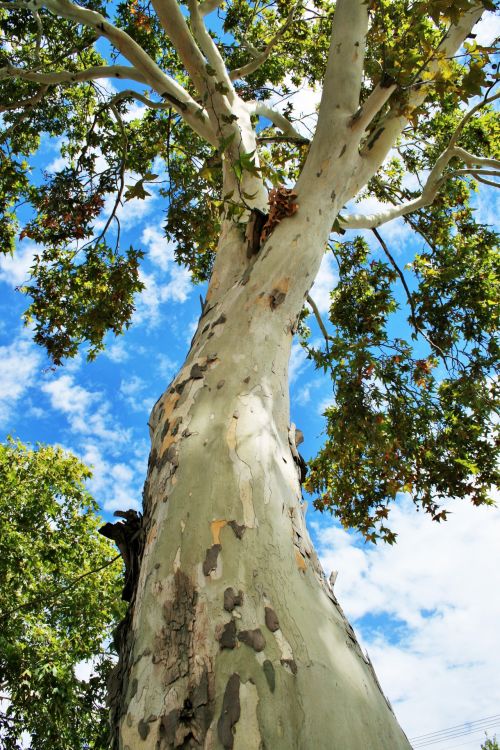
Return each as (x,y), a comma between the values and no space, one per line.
(60,599)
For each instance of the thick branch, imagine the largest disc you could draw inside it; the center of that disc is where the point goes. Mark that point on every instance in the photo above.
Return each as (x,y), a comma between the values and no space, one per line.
(342,84)
(152,73)
(371,107)
(431,188)
(69,76)
(394,122)
(261,57)
(177,30)
(210,49)
(209,6)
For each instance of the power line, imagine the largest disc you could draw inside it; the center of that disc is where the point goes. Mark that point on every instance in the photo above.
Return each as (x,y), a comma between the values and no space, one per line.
(457,735)
(451,733)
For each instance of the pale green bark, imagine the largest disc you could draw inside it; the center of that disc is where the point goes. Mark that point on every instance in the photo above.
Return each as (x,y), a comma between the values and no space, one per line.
(236,639)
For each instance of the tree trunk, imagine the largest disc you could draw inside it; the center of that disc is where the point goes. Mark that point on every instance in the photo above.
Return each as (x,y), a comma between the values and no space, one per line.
(234,638)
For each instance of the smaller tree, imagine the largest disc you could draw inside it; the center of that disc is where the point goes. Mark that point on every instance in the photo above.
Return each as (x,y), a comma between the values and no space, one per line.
(490,744)
(60,601)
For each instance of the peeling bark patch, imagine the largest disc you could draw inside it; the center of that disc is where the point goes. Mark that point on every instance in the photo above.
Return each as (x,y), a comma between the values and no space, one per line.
(239,529)
(289,664)
(143,729)
(271,618)
(165,430)
(196,372)
(187,726)
(210,561)
(276,298)
(220,320)
(253,638)
(230,713)
(301,563)
(227,638)
(232,599)
(216,528)
(269,675)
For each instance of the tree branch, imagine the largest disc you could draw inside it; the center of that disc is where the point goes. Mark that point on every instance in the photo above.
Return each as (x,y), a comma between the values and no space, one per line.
(371,107)
(434,182)
(394,122)
(177,30)
(68,76)
(163,84)
(281,122)
(261,57)
(210,49)
(209,6)
(26,103)
(344,71)
(319,321)
(54,595)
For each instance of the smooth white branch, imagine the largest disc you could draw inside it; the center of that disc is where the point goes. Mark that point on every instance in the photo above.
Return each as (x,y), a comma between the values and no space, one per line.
(281,122)
(434,182)
(393,124)
(153,75)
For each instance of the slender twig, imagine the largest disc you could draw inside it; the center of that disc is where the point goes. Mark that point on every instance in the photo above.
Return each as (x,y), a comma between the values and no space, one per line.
(409,296)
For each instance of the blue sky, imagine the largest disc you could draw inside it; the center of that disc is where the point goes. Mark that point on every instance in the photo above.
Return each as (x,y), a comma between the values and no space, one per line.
(427,610)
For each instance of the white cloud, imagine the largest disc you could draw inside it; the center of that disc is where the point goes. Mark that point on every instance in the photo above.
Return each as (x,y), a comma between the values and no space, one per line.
(132,391)
(14,269)
(117,486)
(167,367)
(177,289)
(488,29)
(20,364)
(160,250)
(437,593)
(325,282)
(298,360)
(179,286)
(117,351)
(87,411)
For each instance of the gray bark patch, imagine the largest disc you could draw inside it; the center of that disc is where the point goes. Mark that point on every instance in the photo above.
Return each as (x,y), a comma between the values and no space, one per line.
(253,638)
(269,674)
(271,618)
(210,561)
(232,599)
(239,529)
(230,713)
(228,636)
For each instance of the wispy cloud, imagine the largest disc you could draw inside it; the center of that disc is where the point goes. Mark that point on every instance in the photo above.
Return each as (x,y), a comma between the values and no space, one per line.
(20,364)
(87,412)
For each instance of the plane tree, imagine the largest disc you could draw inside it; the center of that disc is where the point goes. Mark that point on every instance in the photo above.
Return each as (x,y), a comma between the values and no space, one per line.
(233,637)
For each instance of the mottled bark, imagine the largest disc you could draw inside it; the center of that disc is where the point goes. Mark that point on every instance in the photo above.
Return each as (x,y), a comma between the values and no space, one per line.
(235,638)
